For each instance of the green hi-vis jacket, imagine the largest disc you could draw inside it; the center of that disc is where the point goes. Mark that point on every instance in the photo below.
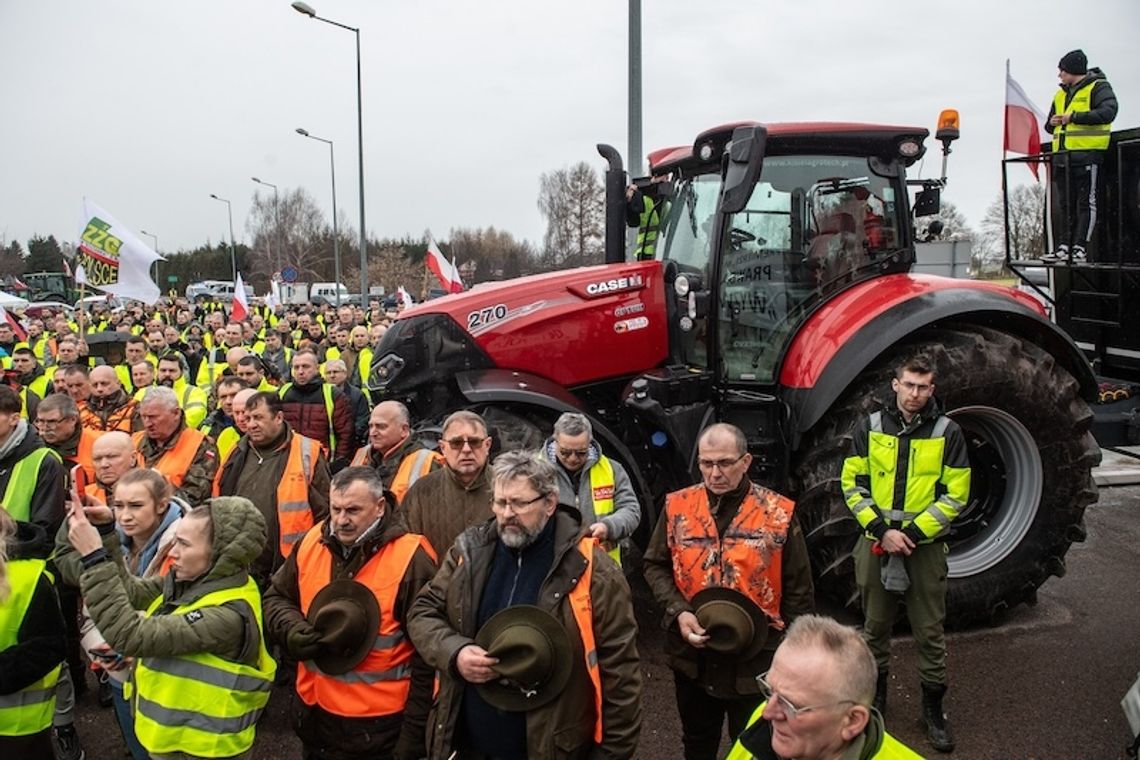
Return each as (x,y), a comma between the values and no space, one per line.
(910,477)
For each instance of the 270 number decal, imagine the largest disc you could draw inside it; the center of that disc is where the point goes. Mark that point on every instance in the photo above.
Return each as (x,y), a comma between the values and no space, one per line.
(486,316)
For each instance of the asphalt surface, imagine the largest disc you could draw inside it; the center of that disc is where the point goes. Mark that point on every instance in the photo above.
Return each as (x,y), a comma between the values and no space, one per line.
(1046,684)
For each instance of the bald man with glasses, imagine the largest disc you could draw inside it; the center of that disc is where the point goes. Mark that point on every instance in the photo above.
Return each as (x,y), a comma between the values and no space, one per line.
(443,503)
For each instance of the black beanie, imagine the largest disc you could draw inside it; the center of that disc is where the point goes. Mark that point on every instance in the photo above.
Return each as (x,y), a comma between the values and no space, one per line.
(1074,62)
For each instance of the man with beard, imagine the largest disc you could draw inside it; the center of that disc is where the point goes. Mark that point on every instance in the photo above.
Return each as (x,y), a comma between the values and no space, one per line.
(392,451)
(442,504)
(191,398)
(532,554)
(109,407)
(283,473)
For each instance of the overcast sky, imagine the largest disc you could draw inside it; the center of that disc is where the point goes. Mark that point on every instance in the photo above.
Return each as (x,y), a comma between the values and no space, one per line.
(149,107)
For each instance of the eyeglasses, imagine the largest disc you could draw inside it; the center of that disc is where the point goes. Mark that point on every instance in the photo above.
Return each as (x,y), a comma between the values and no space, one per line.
(516,505)
(457,444)
(789,709)
(41,422)
(723,464)
(567,453)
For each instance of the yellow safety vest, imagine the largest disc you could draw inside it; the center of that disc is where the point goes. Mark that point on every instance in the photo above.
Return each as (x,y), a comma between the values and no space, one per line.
(889,747)
(1073,136)
(327,392)
(602,494)
(202,704)
(29,710)
(22,483)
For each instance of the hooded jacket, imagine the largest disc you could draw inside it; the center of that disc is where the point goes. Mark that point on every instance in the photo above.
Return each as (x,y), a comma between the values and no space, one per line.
(623,521)
(1102,110)
(229,631)
(444,618)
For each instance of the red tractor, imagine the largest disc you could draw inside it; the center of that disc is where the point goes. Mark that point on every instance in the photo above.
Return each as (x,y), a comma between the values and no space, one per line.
(780,300)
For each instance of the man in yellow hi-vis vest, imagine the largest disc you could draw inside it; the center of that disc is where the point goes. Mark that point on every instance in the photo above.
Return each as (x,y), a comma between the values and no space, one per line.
(1080,121)
(594,484)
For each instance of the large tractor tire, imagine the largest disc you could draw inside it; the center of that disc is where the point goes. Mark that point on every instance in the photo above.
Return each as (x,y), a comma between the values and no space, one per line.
(1031,455)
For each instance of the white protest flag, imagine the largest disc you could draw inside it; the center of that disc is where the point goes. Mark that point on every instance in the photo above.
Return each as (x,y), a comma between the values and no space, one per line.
(113,258)
(80,275)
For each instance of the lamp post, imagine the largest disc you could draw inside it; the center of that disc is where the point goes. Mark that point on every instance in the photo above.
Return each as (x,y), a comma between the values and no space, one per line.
(312,13)
(154,237)
(336,235)
(276,222)
(233,253)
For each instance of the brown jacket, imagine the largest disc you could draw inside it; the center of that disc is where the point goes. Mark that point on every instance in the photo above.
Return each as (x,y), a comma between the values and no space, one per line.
(443,621)
(723,676)
(438,507)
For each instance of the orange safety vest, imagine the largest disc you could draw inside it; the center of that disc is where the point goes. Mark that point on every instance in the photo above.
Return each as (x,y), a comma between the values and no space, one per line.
(380,684)
(84,454)
(583,609)
(749,558)
(294,515)
(176,461)
(413,467)
(120,419)
(97,491)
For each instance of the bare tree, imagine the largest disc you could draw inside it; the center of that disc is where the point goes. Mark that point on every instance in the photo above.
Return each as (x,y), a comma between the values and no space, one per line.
(304,237)
(573,202)
(954,225)
(488,248)
(1026,224)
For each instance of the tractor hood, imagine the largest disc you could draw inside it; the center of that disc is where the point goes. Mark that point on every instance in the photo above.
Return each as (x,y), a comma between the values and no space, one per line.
(573,327)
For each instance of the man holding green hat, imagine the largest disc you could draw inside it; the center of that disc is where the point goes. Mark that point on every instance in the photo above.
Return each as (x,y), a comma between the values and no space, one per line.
(531,627)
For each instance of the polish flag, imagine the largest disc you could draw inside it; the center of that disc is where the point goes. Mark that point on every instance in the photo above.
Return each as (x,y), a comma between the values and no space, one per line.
(404,296)
(1023,121)
(240,310)
(445,271)
(17,328)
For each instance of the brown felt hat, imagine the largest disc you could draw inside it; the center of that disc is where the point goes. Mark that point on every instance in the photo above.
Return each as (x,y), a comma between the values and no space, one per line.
(535,659)
(347,616)
(734,624)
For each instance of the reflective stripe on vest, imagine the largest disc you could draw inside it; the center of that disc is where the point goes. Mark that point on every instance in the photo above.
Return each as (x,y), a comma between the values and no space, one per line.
(379,685)
(176,461)
(413,467)
(227,439)
(583,609)
(22,483)
(202,704)
(602,495)
(748,558)
(29,710)
(1073,136)
(648,226)
(294,516)
(361,457)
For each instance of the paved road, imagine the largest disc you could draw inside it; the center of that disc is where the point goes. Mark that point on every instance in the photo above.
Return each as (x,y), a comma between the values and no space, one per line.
(1045,685)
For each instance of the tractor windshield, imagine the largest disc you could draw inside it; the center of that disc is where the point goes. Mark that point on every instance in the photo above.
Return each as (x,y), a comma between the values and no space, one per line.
(810,226)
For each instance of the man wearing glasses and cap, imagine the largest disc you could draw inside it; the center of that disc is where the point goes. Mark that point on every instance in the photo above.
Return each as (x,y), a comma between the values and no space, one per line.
(441,504)
(729,564)
(531,628)
(587,479)
(817,700)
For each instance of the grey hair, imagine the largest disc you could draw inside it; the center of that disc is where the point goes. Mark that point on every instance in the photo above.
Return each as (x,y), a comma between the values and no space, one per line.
(853,661)
(724,429)
(572,424)
(402,415)
(539,473)
(59,402)
(336,364)
(464,415)
(160,394)
(366,475)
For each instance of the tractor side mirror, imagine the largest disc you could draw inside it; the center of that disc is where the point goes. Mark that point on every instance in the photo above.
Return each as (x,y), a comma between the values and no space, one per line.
(927,202)
(744,160)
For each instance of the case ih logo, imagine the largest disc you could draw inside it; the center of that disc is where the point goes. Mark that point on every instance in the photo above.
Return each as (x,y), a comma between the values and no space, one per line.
(616,285)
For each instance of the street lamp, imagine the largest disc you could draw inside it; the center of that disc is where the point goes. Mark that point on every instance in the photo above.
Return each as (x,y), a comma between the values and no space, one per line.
(233,253)
(154,237)
(309,11)
(276,221)
(336,235)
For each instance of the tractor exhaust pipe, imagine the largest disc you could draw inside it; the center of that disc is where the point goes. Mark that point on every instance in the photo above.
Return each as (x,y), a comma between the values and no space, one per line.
(615,204)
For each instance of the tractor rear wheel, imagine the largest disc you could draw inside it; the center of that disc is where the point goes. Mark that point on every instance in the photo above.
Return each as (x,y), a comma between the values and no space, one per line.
(1031,454)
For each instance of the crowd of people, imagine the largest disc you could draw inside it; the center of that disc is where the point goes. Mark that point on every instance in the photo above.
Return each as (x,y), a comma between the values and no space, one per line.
(220,507)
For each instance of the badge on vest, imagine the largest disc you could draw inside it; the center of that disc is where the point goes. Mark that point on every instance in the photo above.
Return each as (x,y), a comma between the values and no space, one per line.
(193,616)
(603,492)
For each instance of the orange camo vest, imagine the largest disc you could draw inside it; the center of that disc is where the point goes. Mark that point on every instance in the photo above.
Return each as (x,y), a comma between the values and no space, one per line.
(175,462)
(413,467)
(294,515)
(380,684)
(748,558)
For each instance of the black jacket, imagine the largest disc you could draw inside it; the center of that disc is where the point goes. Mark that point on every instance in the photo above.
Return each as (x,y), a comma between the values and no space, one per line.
(50,492)
(1102,110)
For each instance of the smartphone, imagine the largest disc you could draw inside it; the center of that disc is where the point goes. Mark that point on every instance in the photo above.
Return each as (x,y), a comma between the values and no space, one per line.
(78,482)
(105,655)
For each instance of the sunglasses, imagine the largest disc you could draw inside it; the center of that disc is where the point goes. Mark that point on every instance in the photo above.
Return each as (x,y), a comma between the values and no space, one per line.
(457,444)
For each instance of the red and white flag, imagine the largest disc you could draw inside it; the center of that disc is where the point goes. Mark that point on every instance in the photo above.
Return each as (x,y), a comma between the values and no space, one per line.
(240,310)
(1023,121)
(444,270)
(403,296)
(17,328)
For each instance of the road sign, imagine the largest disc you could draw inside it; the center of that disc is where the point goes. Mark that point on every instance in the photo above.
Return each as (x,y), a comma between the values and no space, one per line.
(289,274)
